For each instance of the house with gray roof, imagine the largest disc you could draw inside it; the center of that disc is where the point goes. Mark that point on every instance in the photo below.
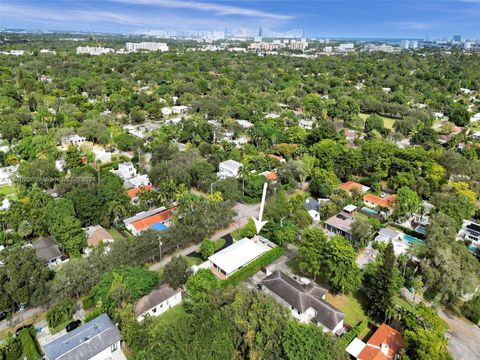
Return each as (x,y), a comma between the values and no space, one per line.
(157,302)
(99,339)
(306,301)
(46,248)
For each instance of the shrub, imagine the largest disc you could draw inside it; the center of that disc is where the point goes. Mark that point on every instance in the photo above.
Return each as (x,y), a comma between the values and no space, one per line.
(60,313)
(471,309)
(88,302)
(346,339)
(252,268)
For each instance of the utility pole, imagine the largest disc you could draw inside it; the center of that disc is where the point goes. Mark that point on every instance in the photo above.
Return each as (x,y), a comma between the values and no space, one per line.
(160,243)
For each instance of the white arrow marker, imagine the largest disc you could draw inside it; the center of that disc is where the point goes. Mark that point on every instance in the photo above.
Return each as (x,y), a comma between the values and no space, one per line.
(258,222)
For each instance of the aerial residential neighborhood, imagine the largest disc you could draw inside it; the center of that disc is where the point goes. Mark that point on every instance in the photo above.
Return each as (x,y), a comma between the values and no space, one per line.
(239,180)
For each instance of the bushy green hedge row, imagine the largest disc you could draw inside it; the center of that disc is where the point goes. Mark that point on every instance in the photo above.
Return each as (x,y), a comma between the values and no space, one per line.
(11,350)
(346,339)
(30,349)
(252,268)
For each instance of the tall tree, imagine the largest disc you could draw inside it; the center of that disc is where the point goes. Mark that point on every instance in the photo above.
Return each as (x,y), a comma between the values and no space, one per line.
(380,288)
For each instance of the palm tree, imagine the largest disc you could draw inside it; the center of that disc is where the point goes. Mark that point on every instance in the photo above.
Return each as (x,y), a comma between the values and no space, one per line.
(115,210)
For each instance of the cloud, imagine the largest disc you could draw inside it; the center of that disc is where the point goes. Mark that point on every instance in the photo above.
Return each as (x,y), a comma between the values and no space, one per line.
(410,25)
(214,8)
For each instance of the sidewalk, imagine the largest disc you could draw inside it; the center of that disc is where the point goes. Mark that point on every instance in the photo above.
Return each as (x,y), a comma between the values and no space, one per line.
(21,317)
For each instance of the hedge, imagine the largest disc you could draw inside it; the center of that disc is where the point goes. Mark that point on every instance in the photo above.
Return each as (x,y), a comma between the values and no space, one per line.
(408,231)
(346,339)
(252,268)
(11,349)
(30,350)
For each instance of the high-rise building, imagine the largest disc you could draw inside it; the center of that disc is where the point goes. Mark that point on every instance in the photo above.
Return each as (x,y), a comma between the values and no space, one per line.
(260,32)
(405,44)
(146,45)
(457,38)
(413,44)
(93,50)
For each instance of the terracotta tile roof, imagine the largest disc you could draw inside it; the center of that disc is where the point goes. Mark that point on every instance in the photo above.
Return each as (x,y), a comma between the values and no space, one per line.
(385,336)
(145,223)
(279,158)
(349,185)
(377,200)
(133,193)
(271,176)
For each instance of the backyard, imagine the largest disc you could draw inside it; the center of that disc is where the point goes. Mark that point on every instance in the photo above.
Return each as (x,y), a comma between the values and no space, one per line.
(387,122)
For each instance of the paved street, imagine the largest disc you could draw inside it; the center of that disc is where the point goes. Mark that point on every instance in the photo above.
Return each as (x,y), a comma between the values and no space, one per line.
(463,336)
(22,317)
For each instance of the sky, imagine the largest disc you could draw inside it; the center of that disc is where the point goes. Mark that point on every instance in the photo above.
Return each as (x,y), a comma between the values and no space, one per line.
(319,18)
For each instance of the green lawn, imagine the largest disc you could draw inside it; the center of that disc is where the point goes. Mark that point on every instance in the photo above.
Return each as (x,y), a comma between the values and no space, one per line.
(353,306)
(219,243)
(7,189)
(193,260)
(115,234)
(387,122)
(172,314)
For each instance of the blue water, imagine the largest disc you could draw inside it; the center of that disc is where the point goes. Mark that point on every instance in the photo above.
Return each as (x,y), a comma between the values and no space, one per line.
(411,239)
(369,211)
(421,230)
(158,227)
(473,249)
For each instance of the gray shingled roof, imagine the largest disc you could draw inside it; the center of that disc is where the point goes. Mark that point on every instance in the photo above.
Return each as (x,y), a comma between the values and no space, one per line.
(156,297)
(85,341)
(47,249)
(302,297)
(311,204)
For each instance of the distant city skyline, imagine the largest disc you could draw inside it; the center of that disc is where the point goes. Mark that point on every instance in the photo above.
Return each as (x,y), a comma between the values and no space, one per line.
(331,18)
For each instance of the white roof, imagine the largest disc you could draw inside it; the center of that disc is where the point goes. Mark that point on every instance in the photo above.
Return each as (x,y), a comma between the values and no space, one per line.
(350,208)
(238,254)
(230,164)
(355,347)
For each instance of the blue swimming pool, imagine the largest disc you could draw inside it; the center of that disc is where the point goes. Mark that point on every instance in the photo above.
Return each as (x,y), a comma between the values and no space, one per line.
(473,249)
(421,230)
(411,239)
(369,211)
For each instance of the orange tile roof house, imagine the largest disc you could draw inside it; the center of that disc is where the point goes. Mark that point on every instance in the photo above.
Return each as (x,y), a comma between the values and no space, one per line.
(375,201)
(133,193)
(349,185)
(156,219)
(384,344)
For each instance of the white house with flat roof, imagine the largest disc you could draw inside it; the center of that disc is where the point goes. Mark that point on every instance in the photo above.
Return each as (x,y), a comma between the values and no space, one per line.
(229,168)
(239,254)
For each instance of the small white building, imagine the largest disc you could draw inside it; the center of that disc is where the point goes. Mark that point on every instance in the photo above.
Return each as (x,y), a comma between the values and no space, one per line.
(6,174)
(306,124)
(244,123)
(229,168)
(73,140)
(475,118)
(137,181)
(238,255)
(101,155)
(125,170)
(157,302)
(470,231)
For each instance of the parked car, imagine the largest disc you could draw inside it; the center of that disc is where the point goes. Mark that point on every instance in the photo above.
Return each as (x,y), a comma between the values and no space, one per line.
(17,332)
(3,315)
(73,325)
